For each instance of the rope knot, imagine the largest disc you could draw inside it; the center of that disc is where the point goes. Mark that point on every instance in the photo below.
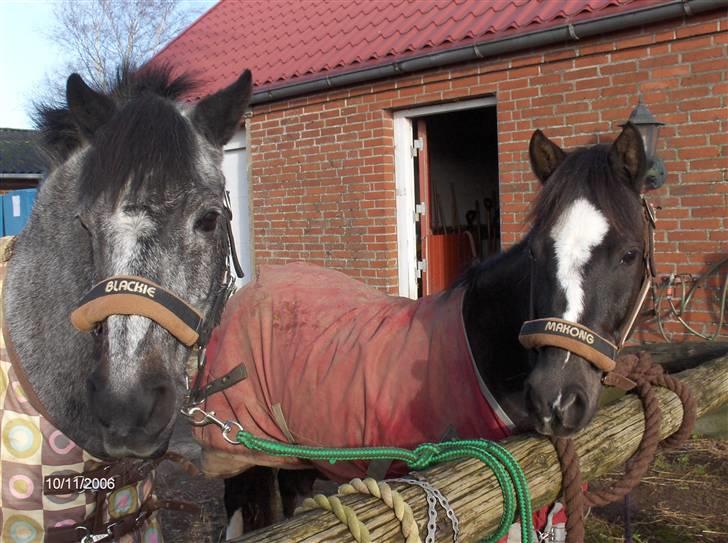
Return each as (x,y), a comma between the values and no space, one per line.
(424,456)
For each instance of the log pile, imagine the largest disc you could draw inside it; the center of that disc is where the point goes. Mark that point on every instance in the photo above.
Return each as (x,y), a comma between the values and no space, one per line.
(607,442)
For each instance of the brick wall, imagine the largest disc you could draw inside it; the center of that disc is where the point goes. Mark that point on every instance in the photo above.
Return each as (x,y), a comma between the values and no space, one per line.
(323,166)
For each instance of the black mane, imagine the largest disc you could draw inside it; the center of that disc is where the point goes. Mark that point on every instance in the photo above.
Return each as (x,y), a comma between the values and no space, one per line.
(146,134)
(587,172)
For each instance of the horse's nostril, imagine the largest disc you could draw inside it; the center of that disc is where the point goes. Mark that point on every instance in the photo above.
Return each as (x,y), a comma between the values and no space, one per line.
(571,408)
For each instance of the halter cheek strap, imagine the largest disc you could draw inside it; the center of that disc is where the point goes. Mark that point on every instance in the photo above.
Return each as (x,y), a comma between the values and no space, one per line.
(132,295)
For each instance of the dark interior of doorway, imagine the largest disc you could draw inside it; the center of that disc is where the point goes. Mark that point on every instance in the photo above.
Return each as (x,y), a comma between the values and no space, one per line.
(464,207)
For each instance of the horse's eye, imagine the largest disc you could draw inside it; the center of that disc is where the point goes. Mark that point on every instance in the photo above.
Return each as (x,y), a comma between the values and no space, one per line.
(208,222)
(629,257)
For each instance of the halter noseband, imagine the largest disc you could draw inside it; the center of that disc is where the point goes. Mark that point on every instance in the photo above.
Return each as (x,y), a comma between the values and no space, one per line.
(133,295)
(580,339)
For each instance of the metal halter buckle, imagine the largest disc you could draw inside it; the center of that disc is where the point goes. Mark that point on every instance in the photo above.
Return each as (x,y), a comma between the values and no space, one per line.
(208,417)
(88,537)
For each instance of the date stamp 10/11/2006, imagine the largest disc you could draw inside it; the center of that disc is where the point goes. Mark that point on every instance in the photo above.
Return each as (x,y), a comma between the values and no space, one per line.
(73,483)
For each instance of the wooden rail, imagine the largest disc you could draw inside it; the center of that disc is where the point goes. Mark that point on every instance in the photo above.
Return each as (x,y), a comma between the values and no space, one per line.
(607,442)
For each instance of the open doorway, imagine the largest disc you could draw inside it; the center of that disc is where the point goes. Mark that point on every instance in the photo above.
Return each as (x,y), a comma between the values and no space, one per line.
(446,178)
(456,182)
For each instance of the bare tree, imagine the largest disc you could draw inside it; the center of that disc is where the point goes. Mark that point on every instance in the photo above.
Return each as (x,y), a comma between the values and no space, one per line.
(99,35)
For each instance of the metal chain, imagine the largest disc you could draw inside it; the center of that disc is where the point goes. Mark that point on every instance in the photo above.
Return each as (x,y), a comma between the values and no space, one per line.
(434,496)
(431,508)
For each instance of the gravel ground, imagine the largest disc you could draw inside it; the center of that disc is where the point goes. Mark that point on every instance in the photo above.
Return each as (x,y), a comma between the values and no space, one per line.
(174,483)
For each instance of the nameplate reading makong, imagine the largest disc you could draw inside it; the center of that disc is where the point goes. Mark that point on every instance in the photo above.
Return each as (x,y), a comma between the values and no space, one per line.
(570,336)
(131,295)
(570,330)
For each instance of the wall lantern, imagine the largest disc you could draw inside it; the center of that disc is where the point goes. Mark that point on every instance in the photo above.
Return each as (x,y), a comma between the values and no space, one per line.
(649,127)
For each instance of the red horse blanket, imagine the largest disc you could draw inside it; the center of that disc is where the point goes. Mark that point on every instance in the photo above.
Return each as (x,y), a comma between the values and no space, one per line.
(332,362)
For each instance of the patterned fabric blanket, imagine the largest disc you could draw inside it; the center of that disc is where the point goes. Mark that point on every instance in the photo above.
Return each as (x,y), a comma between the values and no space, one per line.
(32,448)
(332,362)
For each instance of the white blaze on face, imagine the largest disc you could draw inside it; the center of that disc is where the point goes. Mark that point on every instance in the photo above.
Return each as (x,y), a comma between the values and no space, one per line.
(577,232)
(125,333)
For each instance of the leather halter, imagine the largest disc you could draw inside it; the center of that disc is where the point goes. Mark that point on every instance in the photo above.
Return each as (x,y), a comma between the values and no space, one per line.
(134,295)
(580,339)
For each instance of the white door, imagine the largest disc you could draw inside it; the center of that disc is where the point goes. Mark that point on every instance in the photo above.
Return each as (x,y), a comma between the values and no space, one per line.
(235,169)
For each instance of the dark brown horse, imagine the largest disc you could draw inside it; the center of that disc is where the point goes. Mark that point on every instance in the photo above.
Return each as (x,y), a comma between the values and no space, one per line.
(581,262)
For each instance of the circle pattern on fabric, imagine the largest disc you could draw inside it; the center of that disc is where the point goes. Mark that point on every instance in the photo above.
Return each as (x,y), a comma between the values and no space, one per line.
(151,535)
(123,501)
(19,392)
(22,529)
(61,499)
(60,443)
(22,438)
(21,487)
(3,380)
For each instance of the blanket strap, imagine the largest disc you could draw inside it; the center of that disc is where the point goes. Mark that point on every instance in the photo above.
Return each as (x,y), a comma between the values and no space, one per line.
(234,376)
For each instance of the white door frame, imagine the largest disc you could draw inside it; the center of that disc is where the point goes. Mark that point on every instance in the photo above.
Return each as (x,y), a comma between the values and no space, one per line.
(235,166)
(404,175)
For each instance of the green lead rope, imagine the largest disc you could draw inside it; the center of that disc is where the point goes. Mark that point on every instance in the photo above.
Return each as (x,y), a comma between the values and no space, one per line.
(500,461)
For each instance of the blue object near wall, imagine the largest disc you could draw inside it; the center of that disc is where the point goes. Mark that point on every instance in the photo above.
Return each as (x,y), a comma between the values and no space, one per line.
(2,222)
(16,210)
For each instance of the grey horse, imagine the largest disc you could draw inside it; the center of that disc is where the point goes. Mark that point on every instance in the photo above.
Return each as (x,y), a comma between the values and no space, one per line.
(135,189)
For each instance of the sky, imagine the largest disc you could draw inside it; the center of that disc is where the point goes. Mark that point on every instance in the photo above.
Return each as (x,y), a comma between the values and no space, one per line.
(27,54)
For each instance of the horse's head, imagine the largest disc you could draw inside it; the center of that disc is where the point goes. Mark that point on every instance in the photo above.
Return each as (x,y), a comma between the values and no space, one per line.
(153,206)
(586,249)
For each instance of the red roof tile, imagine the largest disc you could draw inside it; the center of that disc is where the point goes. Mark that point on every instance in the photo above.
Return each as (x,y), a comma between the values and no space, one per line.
(287,40)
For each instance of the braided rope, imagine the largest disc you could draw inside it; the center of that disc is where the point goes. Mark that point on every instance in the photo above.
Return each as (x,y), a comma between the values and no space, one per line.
(645,373)
(391,499)
(344,513)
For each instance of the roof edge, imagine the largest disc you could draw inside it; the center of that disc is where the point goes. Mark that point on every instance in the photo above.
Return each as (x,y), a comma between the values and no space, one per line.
(21,176)
(558,34)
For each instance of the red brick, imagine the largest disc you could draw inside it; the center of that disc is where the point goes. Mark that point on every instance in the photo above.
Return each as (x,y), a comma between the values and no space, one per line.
(703,54)
(693,29)
(662,60)
(584,73)
(628,54)
(618,68)
(692,44)
(685,235)
(699,152)
(674,71)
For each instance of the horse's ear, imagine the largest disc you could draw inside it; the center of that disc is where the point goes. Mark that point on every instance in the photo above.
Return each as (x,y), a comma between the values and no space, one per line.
(545,155)
(90,109)
(628,154)
(218,115)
